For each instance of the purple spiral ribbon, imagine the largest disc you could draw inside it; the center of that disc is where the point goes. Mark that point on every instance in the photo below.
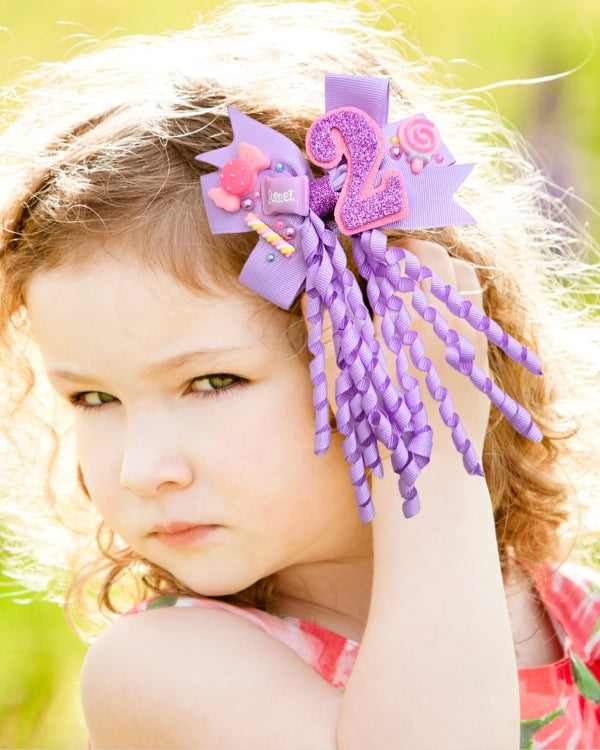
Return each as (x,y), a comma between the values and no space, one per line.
(371,409)
(367,188)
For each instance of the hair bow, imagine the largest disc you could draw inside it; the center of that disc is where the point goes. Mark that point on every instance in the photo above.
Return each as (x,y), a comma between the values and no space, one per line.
(376,176)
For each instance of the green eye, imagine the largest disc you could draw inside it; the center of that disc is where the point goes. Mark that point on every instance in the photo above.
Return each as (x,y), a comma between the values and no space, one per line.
(213,382)
(95,398)
(92,398)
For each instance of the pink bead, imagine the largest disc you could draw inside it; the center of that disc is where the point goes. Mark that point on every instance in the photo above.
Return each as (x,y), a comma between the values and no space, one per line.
(395,152)
(289,233)
(247,204)
(439,158)
(279,224)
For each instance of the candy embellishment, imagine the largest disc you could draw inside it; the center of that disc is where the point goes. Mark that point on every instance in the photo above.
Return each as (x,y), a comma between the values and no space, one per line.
(238,178)
(253,156)
(268,234)
(285,195)
(419,139)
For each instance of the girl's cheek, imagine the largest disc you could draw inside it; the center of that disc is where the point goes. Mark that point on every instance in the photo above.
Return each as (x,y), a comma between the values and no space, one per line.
(99,457)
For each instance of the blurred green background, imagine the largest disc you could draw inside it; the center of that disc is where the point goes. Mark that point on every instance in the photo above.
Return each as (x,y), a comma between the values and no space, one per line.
(489,42)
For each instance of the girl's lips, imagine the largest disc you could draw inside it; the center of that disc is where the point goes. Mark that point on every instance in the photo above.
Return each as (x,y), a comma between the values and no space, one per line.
(179,534)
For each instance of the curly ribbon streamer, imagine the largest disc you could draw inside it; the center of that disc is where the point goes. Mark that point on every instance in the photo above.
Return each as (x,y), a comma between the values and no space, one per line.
(371,410)
(371,188)
(381,268)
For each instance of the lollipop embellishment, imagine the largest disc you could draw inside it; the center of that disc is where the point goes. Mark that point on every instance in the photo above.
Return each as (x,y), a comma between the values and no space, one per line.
(419,139)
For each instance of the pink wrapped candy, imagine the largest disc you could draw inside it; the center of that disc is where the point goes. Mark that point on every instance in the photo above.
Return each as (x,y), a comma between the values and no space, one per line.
(238,177)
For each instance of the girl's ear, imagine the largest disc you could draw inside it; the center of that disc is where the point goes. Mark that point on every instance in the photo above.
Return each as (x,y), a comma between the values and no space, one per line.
(331,368)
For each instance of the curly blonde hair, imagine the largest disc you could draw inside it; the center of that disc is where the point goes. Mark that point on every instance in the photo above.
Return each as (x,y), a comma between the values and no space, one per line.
(104,145)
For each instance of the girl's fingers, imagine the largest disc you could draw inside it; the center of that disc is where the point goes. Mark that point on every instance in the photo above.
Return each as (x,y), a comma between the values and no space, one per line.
(462,277)
(467,282)
(471,406)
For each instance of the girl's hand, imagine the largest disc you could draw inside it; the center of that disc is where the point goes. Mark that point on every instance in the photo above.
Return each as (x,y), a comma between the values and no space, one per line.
(472,406)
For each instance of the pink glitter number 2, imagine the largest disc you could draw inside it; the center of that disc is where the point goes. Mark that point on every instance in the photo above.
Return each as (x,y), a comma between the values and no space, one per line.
(349,132)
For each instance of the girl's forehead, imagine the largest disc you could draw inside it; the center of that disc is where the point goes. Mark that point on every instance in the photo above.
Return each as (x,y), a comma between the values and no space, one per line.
(119,270)
(130,299)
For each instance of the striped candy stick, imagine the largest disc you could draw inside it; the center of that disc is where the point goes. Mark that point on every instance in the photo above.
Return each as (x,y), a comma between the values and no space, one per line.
(268,234)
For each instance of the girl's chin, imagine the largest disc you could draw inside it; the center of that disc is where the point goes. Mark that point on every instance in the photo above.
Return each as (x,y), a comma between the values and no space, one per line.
(216,589)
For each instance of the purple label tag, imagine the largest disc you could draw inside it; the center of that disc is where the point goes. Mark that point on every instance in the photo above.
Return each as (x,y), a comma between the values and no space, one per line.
(285,195)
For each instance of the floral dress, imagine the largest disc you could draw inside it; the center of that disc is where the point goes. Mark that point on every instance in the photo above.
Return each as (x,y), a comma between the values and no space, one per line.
(560,702)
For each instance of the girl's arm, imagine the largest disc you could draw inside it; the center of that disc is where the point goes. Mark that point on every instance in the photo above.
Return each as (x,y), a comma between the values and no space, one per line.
(436,667)
(438,637)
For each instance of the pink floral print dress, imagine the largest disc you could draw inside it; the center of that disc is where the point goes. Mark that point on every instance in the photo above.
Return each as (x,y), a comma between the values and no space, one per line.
(560,702)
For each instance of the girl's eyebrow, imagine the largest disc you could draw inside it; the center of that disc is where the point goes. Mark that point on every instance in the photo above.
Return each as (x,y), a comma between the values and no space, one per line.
(180,360)
(157,368)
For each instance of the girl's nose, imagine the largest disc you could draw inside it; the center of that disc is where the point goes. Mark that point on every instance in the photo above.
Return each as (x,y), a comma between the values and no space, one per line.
(153,459)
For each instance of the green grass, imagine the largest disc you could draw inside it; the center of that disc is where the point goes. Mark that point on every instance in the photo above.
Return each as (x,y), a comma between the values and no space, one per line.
(40,659)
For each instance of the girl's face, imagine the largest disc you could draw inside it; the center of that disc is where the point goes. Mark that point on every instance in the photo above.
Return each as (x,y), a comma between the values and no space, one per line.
(194,425)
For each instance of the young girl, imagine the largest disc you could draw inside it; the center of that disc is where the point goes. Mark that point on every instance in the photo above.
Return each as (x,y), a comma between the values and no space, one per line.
(252,350)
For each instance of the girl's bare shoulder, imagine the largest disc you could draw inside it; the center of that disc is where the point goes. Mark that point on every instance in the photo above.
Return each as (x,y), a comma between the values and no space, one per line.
(194,677)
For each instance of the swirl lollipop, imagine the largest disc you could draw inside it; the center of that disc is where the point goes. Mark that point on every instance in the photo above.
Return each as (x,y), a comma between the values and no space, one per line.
(419,139)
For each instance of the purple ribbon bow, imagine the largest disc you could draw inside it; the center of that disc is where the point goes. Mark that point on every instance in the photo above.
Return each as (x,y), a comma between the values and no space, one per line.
(377,176)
